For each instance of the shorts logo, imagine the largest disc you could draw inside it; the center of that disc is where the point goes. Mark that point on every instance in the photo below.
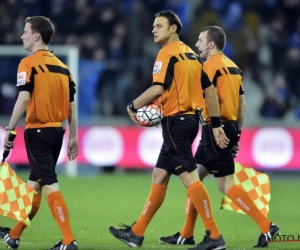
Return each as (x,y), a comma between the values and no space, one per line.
(21,78)
(179,167)
(157,67)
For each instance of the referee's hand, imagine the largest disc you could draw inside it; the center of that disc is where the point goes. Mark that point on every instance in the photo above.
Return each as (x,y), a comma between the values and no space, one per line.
(7,145)
(235,150)
(132,115)
(72,149)
(221,140)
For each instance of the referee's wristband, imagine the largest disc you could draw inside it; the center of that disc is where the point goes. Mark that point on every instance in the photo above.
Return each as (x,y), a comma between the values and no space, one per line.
(7,128)
(215,121)
(131,107)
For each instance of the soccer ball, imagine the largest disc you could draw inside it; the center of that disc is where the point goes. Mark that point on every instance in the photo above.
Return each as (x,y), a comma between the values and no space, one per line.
(150,115)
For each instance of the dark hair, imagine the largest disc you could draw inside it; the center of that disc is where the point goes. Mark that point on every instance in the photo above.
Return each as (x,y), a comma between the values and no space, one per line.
(42,25)
(217,35)
(172,18)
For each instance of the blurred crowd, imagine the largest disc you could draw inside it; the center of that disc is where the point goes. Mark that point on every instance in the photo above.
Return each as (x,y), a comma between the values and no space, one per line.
(117,51)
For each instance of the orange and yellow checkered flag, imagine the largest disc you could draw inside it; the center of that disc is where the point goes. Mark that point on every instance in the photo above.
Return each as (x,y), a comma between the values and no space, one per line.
(256,184)
(15,195)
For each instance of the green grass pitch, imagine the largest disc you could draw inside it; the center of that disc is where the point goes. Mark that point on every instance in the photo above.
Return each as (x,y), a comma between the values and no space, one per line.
(95,203)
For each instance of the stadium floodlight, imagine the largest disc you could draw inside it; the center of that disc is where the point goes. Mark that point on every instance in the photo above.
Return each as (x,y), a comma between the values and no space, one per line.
(71,53)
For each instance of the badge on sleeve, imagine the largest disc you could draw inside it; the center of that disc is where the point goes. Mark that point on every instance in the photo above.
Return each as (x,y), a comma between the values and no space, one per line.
(157,67)
(21,78)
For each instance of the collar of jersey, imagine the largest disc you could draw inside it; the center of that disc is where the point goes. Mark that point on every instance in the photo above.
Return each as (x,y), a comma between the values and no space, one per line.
(174,42)
(42,50)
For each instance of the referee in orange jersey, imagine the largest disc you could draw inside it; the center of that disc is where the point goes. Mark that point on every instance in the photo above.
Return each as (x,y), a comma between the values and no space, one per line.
(178,81)
(46,92)
(210,159)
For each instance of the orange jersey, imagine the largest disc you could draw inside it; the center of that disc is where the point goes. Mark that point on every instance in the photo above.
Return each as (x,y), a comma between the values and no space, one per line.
(51,86)
(227,79)
(179,70)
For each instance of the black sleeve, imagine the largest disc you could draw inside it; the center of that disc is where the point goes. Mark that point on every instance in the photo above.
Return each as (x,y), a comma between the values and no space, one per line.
(170,72)
(72,87)
(205,82)
(72,90)
(241,90)
(27,87)
(158,83)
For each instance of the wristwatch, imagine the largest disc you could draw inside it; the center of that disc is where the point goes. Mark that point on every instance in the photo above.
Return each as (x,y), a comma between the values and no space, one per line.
(8,128)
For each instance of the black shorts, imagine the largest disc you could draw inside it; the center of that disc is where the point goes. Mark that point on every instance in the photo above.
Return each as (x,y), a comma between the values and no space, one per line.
(176,154)
(217,161)
(43,147)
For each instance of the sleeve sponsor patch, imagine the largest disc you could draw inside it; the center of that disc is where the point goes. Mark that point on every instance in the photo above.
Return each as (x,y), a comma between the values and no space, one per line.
(21,78)
(157,67)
